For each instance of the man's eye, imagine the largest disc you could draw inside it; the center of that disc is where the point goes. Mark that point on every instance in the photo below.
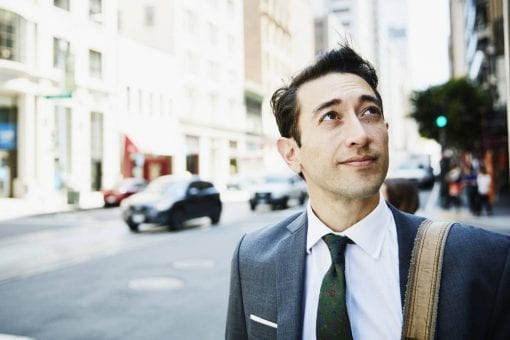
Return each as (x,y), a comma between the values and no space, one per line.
(372,110)
(329,116)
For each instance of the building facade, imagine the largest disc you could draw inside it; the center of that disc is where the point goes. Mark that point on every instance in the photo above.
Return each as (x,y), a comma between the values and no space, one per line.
(278,41)
(56,97)
(477,50)
(204,42)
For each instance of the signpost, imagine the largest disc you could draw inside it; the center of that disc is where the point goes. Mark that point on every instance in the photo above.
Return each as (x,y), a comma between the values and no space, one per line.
(64,95)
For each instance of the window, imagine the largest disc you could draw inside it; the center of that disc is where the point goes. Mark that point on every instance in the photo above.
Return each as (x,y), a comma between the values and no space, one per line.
(95,10)
(64,4)
(95,64)
(60,53)
(140,101)
(151,106)
(213,34)
(96,150)
(190,22)
(231,9)
(149,16)
(119,20)
(62,142)
(10,28)
(128,98)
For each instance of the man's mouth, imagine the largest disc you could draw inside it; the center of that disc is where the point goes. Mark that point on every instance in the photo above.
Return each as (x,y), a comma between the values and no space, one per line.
(359,161)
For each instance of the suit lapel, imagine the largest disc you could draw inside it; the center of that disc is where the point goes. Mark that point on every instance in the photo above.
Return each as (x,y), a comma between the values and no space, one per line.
(290,279)
(407,227)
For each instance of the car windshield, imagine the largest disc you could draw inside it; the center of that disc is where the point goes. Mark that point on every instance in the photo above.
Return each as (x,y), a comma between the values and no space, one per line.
(166,186)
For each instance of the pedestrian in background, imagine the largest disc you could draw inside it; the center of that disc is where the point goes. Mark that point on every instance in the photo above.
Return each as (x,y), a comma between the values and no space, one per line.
(339,269)
(468,179)
(454,177)
(444,165)
(402,193)
(484,182)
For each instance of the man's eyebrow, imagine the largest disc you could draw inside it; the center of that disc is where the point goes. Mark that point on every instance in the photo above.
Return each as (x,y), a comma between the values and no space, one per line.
(369,98)
(332,102)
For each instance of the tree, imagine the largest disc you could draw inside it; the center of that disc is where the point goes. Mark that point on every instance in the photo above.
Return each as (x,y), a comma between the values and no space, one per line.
(461,102)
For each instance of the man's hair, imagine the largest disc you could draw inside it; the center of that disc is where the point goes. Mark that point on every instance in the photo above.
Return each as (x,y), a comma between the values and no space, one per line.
(339,60)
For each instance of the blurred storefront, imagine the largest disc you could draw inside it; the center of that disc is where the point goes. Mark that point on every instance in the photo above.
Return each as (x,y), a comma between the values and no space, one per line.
(140,162)
(8,145)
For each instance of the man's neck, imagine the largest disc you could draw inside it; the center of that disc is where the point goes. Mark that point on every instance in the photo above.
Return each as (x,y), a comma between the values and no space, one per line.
(340,213)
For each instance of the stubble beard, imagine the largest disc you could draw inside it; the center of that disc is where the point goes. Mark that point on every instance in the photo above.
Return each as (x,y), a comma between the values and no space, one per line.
(361,186)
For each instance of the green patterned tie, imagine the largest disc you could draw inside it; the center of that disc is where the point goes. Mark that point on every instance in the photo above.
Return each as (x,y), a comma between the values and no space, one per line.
(332,317)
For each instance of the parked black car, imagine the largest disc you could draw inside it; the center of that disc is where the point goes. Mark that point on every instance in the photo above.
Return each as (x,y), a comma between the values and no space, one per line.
(170,201)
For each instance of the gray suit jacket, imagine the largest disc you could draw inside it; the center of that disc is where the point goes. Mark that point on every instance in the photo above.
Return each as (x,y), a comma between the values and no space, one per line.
(268,275)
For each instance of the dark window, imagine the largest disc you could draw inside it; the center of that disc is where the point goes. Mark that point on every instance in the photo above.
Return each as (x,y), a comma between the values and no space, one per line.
(95,64)
(10,35)
(64,4)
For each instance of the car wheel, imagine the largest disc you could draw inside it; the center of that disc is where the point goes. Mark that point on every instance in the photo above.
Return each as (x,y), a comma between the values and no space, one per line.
(177,219)
(253,206)
(284,203)
(302,199)
(133,226)
(215,218)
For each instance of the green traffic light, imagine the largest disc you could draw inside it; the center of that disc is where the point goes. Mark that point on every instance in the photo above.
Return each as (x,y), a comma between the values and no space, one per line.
(441,121)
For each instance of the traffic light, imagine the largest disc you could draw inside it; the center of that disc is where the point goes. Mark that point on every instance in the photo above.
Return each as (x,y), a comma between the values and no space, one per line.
(441,121)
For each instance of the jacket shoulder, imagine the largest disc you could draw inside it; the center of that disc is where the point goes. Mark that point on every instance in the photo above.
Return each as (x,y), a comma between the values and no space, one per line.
(264,242)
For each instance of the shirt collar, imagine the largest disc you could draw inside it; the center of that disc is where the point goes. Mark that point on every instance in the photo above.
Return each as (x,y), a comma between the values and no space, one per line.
(368,233)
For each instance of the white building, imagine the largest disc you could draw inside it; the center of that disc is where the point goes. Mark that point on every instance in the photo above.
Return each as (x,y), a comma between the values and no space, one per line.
(204,40)
(279,41)
(360,21)
(152,143)
(57,97)
(328,32)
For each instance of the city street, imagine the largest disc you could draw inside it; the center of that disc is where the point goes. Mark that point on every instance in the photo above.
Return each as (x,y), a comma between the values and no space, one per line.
(83,275)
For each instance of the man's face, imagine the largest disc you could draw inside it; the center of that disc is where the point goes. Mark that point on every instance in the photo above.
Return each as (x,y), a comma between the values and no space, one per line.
(344,138)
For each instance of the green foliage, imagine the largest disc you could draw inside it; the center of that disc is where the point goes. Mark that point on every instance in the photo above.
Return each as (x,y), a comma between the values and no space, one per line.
(462,102)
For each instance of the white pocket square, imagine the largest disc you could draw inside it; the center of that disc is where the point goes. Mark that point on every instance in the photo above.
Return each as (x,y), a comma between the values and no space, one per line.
(262,321)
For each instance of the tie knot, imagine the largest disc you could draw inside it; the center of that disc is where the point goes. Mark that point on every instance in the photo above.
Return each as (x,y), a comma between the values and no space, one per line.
(336,245)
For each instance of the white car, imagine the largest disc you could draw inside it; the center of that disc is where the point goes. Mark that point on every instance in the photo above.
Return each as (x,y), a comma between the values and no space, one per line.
(423,177)
(278,190)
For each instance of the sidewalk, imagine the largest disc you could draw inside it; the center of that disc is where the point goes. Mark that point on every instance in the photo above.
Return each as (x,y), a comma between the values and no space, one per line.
(499,221)
(11,208)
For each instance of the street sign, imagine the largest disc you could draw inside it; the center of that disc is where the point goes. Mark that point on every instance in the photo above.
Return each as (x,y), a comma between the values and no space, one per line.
(68,94)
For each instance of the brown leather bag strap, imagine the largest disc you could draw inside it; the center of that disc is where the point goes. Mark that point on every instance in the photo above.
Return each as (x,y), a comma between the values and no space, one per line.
(422,292)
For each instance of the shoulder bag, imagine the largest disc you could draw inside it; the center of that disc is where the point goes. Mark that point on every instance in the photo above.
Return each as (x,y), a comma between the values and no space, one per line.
(422,292)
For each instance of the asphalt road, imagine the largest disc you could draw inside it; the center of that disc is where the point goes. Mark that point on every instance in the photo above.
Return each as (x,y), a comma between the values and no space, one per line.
(83,275)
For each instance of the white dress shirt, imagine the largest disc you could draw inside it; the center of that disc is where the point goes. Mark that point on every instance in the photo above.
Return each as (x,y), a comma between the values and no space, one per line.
(371,274)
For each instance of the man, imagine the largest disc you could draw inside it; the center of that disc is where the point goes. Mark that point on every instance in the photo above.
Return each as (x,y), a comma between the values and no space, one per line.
(334,134)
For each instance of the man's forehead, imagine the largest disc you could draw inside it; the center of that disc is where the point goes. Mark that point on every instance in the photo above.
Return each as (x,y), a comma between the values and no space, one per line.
(339,78)
(334,83)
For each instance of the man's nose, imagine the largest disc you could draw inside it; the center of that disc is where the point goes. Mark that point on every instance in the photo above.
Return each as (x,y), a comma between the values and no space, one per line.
(356,133)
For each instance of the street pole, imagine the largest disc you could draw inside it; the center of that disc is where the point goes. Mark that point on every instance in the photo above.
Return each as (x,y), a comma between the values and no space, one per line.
(506,34)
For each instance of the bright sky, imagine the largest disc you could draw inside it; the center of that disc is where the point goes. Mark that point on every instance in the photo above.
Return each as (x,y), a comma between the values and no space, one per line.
(428,42)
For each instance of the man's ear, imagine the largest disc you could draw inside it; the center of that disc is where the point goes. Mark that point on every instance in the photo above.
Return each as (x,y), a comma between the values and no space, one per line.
(289,150)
